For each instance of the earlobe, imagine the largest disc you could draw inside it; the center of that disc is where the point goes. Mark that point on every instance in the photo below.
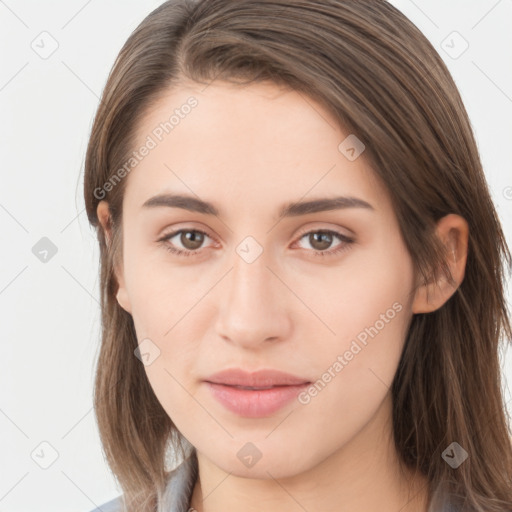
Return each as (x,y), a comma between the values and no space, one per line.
(453,231)
(122,299)
(103,214)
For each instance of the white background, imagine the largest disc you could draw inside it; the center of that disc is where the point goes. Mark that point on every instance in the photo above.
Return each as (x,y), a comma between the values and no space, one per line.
(50,311)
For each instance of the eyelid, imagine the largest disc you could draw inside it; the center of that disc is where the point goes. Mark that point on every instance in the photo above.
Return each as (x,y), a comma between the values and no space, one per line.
(173,232)
(325,227)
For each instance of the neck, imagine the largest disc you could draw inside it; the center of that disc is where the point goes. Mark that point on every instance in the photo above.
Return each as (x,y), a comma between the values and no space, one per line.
(364,474)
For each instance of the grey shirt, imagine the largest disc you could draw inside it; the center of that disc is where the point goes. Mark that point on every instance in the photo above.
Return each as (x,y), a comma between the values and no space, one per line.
(177,493)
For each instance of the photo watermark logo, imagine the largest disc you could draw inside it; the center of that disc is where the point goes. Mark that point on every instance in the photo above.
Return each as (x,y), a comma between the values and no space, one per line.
(355,348)
(158,133)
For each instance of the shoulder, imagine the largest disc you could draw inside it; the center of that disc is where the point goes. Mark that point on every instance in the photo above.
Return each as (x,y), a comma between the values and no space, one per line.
(443,500)
(181,481)
(181,485)
(115,505)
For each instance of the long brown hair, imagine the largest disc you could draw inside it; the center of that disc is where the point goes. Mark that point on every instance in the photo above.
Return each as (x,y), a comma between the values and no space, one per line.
(383,81)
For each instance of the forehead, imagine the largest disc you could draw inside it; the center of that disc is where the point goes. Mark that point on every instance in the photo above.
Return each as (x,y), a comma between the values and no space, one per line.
(244,145)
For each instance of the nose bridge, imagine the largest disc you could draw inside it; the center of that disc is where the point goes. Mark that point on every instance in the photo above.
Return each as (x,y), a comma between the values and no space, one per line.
(250,309)
(250,280)
(249,283)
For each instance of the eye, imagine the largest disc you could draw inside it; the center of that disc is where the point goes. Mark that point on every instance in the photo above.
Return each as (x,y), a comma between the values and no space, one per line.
(190,239)
(320,241)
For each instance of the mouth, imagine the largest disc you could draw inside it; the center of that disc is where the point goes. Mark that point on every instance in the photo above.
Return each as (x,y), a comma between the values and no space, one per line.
(261,379)
(252,388)
(255,401)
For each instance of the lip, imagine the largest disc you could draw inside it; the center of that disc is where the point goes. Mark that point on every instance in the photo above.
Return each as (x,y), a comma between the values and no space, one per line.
(260,378)
(282,388)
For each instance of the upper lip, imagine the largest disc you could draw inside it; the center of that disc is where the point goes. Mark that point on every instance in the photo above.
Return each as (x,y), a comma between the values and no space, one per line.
(260,378)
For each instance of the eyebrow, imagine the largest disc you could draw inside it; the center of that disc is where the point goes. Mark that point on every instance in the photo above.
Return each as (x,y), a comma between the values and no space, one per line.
(293,209)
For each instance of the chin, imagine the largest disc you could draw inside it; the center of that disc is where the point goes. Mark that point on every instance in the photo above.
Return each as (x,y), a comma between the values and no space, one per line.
(263,463)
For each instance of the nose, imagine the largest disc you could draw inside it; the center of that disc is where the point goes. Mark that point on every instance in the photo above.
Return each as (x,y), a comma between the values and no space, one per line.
(254,305)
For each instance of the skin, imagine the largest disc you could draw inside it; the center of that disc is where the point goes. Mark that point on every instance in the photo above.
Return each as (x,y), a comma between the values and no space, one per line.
(249,150)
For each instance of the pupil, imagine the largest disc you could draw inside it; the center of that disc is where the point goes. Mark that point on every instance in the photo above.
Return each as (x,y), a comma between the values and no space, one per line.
(315,237)
(191,239)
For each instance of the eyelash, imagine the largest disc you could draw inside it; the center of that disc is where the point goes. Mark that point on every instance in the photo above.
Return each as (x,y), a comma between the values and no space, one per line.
(347,241)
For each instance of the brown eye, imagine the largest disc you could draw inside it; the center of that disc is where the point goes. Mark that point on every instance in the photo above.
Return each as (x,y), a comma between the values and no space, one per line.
(191,240)
(320,240)
(188,241)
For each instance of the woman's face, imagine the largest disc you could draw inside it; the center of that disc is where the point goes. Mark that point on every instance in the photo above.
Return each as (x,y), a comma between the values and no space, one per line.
(258,293)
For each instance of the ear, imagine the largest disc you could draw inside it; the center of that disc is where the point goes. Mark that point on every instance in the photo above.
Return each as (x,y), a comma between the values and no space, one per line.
(453,231)
(103,214)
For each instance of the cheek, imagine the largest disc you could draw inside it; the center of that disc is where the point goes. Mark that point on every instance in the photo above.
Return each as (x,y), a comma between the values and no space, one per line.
(367,307)
(160,294)
(164,311)
(355,371)
(174,341)
(372,287)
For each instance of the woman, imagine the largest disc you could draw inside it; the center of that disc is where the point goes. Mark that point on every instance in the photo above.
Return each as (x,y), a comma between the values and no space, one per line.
(302,269)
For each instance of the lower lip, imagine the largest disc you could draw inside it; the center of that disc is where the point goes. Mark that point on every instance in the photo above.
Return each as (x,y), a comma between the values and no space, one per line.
(255,403)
